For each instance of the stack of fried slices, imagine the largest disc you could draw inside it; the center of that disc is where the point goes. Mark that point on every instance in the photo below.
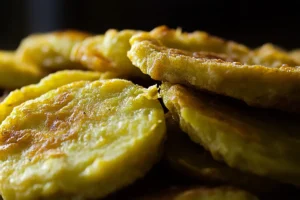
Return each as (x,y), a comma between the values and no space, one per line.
(148,115)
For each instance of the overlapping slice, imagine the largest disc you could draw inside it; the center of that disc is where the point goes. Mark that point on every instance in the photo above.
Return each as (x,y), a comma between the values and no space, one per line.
(107,53)
(15,74)
(258,141)
(82,140)
(199,41)
(255,84)
(203,193)
(192,160)
(295,54)
(51,51)
(272,56)
(48,83)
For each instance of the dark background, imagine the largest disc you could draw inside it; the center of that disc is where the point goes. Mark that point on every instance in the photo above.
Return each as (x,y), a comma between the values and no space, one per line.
(250,22)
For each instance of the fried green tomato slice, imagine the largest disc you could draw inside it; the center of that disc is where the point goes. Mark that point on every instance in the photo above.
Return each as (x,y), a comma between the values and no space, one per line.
(255,84)
(48,83)
(295,54)
(82,140)
(107,52)
(51,51)
(203,193)
(272,56)
(194,161)
(15,74)
(261,142)
(199,41)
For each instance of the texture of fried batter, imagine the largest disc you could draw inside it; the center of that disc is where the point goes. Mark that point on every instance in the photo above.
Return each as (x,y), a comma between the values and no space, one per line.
(194,161)
(199,41)
(252,140)
(51,51)
(15,74)
(255,84)
(202,193)
(272,56)
(107,52)
(82,140)
(48,83)
(295,54)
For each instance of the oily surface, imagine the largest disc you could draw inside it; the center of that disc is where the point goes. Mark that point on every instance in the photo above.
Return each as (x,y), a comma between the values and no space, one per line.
(107,52)
(15,74)
(257,85)
(194,161)
(261,142)
(83,140)
(51,51)
(48,83)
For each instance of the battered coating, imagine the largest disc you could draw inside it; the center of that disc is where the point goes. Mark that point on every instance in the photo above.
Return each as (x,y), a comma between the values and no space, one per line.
(261,142)
(82,140)
(200,41)
(51,51)
(52,81)
(193,161)
(272,56)
(107,53)
(15,74)
(267,55)
(295,54)
(255,84)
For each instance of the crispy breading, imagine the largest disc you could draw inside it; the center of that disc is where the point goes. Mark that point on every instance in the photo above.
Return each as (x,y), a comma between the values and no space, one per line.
(272,56)
(15,74)
(51,51)
(107,52)
(257,85)
(82,140)
(199,41)
(295,54)
(192,160)
(48,83)
(253,140)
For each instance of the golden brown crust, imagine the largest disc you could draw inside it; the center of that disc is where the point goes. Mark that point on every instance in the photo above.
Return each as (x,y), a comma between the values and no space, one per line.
(193,161)
(199,41)
(272,56)
(15,74)
(78,140)
(107,52)
(51,51)
(257,85)
(253,140)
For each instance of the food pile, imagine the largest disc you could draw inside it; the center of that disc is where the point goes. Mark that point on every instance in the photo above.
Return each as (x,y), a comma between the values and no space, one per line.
(148,115)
